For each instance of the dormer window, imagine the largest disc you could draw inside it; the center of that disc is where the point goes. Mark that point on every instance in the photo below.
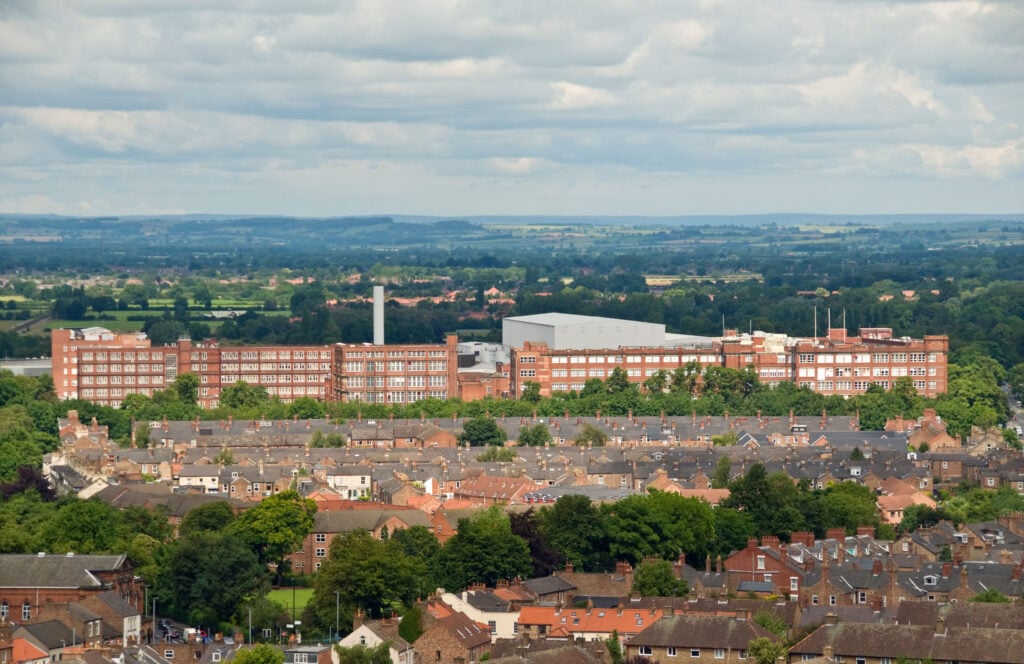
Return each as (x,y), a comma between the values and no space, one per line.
(931,580)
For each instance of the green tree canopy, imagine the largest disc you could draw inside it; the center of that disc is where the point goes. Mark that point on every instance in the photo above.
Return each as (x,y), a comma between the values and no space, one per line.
(368,574)
(765,651)
(212,517)
(276,526)
(484,550)
(535,435)
(207,575)
(574,527)
(482,430)
(659,524)
(991,596)
(591,435)
(242,395)
(360,654)
(656,578)
(773,501)
(261,653)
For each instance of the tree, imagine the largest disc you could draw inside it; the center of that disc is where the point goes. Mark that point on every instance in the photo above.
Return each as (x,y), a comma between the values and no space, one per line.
(494,453)
(261,653)
(545,558)
(573,526)
(372,575)
(764,650)
(360,654)
(659,524)
(614,647)
(28,478)
(657,382)
(772,622)
(531,391)
(207,575)
(722,473)
(685,378)
(726,439)
(211,517)
(83,526)
(244,395)
(306,408)
(773,501)
(482,430)
(591,435)
(919,516)
(535,435)
(991,596)
(656,578)
(848,505)
(276,526)
(732,530)
(484,550)
(618,382)
(186,387)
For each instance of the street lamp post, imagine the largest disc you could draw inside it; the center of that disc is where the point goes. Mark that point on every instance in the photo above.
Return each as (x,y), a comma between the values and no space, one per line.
(337,600)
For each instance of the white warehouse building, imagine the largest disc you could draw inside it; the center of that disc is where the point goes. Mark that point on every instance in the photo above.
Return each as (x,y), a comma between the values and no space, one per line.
(573,332)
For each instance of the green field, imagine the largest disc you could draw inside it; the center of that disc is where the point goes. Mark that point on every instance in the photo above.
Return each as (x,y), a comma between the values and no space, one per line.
(283,596)
(121,324)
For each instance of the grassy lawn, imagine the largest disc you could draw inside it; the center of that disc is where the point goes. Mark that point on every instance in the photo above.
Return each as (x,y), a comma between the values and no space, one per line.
(119,325)
(283,596)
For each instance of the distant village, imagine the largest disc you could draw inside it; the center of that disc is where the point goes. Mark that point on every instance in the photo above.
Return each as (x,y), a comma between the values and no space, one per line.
(857,597)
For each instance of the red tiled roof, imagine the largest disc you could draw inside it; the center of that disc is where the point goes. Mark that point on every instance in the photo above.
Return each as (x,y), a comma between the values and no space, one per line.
(604,621)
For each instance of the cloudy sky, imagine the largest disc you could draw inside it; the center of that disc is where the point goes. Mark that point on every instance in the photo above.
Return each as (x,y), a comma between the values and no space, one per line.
(609,107)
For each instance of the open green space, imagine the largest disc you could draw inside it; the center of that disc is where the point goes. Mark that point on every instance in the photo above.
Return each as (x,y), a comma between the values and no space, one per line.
(285,597)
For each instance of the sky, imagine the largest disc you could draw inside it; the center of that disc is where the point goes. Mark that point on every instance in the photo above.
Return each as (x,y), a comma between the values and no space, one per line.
(511,107)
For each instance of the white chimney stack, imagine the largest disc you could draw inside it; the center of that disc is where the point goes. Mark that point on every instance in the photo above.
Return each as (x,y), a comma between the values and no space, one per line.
(378,315)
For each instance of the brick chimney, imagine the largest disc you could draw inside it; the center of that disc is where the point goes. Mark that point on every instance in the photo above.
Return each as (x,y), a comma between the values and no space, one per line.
(876,567)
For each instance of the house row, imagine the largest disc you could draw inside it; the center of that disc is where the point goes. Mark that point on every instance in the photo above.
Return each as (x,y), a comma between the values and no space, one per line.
(56,606)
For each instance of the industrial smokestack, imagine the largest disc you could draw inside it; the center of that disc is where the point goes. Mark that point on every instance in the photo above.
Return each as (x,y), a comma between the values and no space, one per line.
(378,315)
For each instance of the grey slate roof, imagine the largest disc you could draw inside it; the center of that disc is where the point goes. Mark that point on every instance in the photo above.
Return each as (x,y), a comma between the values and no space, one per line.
(117,604)
(548,585)
(344,521)
(53,634)
(55,570)
(997,646)
(700,631)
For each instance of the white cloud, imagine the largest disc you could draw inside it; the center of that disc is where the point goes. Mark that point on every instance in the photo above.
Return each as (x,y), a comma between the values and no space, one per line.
(453,99)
